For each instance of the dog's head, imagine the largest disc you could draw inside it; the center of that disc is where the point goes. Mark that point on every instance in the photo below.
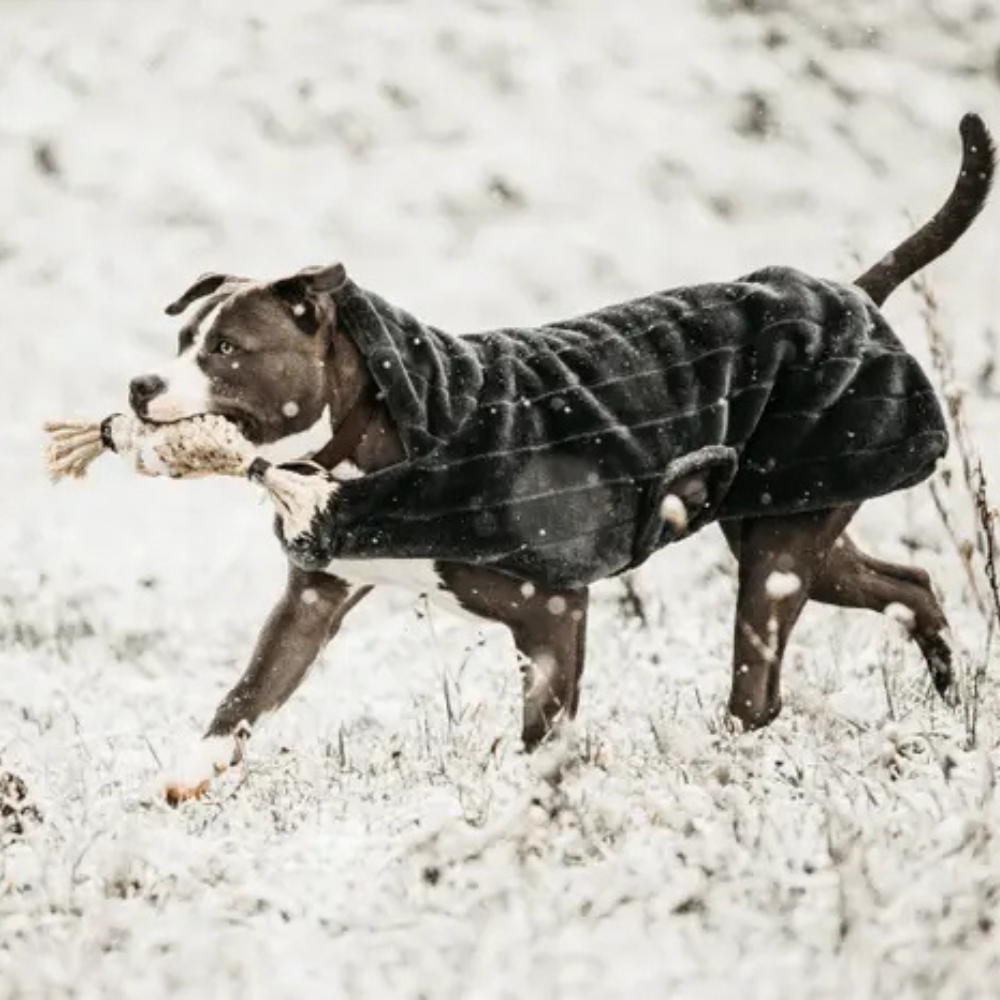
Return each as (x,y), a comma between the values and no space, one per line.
(257,353)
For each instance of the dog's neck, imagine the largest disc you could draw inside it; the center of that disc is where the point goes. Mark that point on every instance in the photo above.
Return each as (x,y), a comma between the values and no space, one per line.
(364,435)
(381,445)
(363,430)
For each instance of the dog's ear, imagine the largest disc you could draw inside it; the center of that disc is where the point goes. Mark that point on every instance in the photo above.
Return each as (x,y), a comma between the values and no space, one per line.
(205,285)
(323,280)
(306,293)
(310,281)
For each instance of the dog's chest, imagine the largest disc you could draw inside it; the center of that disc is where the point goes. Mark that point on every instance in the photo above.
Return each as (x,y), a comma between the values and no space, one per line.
(415,576)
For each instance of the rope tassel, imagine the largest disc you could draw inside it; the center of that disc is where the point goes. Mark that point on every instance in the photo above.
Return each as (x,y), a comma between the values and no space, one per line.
(199,446)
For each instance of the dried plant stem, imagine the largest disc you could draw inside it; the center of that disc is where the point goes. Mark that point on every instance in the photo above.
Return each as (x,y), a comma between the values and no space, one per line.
(984,543)
(942,358)
(978,555)
(987,520)
(964,549)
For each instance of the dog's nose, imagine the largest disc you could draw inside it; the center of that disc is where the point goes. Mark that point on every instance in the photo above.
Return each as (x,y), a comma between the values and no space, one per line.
(143,390)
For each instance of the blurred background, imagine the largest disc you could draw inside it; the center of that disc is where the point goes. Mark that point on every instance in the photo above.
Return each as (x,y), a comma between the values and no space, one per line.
(480,164)
(488,164)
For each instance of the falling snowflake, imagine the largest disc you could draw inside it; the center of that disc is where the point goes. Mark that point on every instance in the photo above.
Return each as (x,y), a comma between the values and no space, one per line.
(781,585)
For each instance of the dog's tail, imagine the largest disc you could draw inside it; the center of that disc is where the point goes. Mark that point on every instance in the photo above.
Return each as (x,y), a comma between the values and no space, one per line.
(952,220)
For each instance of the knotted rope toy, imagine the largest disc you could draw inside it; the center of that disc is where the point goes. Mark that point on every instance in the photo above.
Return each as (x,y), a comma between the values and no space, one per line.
(198,446)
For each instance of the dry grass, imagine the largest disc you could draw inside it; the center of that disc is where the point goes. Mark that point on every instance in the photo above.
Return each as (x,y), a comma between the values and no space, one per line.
(976,544)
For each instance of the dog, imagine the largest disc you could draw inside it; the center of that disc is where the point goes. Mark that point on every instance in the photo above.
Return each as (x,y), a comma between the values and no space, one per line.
(280,360)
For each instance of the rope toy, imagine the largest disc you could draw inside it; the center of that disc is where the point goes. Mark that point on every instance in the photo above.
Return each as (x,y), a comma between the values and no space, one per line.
(199,446)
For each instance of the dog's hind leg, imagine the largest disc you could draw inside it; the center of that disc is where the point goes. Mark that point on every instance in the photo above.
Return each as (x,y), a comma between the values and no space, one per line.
(780,560)
(550,632)
(853,579)
(305,619)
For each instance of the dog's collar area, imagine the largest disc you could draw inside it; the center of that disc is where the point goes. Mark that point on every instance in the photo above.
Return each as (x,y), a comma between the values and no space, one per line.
(342,446)
(349,433)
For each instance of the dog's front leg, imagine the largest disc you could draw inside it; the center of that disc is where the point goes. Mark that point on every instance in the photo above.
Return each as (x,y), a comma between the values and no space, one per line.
(308,615)
(549,628)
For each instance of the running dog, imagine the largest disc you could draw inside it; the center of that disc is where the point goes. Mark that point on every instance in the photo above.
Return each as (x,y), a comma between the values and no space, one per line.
(504,472)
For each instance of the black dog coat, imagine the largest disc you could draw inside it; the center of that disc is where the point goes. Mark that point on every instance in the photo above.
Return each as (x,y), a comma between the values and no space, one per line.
(546,453)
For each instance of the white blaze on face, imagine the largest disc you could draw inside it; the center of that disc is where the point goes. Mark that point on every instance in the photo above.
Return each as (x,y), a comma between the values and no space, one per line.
(188,387)
(187,392)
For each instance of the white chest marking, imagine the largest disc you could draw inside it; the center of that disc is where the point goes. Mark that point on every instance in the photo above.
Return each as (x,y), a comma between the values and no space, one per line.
(188,387)
(296,446)
(416,576)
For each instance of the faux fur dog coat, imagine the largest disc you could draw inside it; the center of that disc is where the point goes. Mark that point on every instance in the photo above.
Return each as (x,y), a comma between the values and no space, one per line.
(546,452)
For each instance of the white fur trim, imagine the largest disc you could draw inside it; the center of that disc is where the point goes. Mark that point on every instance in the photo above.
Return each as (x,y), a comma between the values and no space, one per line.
(298,498)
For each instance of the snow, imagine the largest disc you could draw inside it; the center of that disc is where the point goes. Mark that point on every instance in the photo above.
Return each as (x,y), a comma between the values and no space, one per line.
(673,512)
(556,605)
(780,585)
(197,762)
(483,164)
(900,614)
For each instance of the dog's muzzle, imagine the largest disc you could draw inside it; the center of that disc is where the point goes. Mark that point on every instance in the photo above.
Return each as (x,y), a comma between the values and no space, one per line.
(143,390)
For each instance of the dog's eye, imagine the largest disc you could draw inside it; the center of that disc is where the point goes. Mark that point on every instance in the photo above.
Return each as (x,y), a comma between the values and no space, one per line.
(224,347)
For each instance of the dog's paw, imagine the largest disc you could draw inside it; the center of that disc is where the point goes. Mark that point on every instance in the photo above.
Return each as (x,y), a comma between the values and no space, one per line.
(175,793)
(190,776)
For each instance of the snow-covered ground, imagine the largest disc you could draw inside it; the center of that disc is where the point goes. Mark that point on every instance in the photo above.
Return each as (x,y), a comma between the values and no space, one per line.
(482,164)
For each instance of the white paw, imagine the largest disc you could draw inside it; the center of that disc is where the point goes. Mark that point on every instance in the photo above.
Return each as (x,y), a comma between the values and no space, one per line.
(193,770)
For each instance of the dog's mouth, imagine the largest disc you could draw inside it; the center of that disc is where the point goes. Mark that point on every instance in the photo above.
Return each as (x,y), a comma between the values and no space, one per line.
(247,424)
